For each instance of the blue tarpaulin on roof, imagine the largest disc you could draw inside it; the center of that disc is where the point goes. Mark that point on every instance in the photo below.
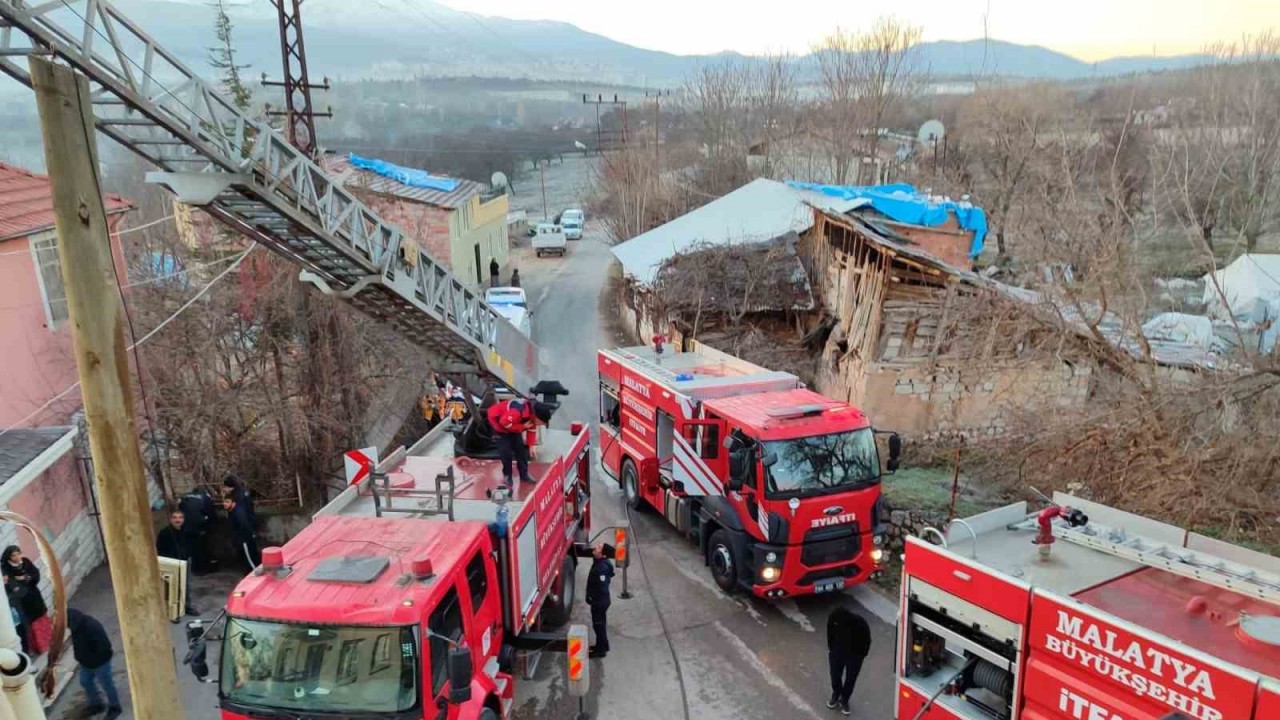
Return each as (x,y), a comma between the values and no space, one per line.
(903,203)
(403,175)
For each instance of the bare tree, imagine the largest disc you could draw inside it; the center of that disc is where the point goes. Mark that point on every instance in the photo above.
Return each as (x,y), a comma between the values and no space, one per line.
(775,96)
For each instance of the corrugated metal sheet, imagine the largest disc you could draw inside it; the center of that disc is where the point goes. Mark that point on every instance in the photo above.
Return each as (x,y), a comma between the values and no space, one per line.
(758,211)
(26,202)
(353,178)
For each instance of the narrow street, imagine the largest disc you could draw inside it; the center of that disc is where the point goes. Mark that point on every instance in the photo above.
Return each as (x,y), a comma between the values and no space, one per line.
(681,647)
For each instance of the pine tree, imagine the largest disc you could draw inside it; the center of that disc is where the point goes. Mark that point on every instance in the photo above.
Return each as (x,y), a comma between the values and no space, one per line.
(223,57)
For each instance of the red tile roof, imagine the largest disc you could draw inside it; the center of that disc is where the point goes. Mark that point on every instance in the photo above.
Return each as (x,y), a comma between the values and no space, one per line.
(26,202)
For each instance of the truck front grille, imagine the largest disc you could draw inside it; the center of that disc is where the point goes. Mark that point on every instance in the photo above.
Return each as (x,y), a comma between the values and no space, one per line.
(825,546)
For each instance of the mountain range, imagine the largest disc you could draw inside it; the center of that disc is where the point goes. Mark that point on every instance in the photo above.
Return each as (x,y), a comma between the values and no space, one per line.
(407,38)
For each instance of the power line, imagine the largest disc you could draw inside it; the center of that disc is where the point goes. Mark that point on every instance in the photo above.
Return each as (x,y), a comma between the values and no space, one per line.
(144,338)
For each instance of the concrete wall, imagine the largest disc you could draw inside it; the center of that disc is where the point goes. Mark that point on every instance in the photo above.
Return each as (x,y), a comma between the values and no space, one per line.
(38,359)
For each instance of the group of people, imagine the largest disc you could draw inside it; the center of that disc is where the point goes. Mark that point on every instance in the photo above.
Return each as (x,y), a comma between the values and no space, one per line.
(495,281)
(185,537)
(90,643)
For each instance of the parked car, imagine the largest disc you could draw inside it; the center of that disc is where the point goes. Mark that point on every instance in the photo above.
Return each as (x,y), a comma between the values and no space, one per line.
(512,304)
(550,239)
(572,221)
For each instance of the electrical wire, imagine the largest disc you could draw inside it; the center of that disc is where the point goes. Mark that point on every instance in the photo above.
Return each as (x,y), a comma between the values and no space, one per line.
(144,339)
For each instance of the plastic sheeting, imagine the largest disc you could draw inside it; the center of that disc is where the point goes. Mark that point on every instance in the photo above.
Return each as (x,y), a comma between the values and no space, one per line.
(1251,285)
(904,204)
(403,175)
(1195,330)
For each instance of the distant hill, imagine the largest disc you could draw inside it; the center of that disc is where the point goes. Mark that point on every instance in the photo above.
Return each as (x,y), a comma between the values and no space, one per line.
(407,38)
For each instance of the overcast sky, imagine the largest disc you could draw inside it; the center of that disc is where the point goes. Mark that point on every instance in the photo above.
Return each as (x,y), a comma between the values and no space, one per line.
(1087,29)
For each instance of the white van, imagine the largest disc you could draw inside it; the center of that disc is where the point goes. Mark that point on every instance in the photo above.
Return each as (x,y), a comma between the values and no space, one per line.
(572,221)
(512,304)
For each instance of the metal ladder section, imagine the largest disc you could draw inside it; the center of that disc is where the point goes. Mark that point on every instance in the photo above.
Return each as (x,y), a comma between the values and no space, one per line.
(1205,567)
(246,175)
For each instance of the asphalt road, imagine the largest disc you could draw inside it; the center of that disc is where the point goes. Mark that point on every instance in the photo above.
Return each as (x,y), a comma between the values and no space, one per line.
(681,647)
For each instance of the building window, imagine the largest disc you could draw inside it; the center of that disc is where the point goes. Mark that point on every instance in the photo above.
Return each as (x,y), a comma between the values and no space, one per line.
(44,251)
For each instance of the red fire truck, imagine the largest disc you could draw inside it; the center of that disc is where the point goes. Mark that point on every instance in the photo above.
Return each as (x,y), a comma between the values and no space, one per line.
(409,594)
(779,485)
(1084,612)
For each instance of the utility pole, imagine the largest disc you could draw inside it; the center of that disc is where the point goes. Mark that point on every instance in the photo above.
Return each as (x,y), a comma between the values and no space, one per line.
(601,101)
(93,304)
(542,170)
(300,116)
(657,96)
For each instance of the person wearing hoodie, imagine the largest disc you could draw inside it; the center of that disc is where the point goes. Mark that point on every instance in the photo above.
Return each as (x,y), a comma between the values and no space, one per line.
(92,649)
(848,642)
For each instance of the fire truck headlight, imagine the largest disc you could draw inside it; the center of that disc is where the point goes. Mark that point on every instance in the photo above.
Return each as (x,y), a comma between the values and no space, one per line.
(771,557)
(770,573)
(877,556)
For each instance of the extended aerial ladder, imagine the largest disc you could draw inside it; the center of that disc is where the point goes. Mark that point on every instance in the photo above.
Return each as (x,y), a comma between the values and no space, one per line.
(246,174)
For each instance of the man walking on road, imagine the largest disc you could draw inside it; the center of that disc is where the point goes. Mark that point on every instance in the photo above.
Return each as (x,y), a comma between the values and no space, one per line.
(92,649)
(848,642)
(509,420)
(174,542)
(598,597)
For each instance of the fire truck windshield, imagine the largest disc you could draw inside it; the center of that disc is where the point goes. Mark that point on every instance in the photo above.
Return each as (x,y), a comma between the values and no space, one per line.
(819,464)
(319,668)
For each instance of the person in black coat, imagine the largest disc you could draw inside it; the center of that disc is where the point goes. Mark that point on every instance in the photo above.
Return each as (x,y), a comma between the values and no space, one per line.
(244,543)
(848,642)
(598,597)
(493,272)
(198,510)
(233,488)
(173,541)
(22,586)
(92,649)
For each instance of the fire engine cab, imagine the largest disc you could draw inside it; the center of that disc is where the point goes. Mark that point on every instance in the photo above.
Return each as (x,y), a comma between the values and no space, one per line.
(778,485)
(1084,612)
(409,594)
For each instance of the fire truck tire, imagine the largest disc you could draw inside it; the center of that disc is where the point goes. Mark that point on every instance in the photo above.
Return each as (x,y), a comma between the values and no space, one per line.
(631,485)
(723,561)
(564,592)
(488,714)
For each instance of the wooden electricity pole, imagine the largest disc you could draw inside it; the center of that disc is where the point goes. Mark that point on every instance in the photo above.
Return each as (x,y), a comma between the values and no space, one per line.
(93,304)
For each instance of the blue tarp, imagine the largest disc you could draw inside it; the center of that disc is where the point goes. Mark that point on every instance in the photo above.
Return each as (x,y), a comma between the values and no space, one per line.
(403,175)
(903,203)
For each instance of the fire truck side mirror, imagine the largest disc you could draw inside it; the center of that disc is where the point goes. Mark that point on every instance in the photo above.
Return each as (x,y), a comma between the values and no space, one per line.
(895,452)
(769,459)
(460,671)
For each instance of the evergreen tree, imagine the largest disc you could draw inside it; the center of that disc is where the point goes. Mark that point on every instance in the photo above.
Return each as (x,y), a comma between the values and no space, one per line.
(223,58)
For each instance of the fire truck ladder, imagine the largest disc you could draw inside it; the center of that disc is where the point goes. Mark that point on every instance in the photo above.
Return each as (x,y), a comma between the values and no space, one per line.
(1205,567)
(246,175)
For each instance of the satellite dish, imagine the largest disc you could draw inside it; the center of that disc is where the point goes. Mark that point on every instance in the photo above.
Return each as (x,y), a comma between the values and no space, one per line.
(499,180)
(931,132)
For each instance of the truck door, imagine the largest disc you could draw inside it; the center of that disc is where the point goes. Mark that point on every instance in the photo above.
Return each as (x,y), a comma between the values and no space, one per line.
(446,621)
(484,630)
(700,463)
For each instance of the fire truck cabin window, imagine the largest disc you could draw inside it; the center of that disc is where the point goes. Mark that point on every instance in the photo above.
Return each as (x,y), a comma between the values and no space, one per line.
(819,464)
(319,668)
(445,621)
(477,580)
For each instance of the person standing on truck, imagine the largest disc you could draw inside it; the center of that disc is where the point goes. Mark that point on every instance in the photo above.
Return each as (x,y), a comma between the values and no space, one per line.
(509,420)
(848,642)
(598,597)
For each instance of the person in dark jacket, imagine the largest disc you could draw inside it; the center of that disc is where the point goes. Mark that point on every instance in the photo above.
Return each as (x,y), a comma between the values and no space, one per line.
(848,642)
(22,585)
(233,488)
(92,649)
(174,542)
(198,509)
(598,597)
(243,542)
(515,278)
(509,420)
(493,272)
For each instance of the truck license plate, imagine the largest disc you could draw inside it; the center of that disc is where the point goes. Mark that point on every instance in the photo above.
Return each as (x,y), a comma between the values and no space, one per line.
(828,586)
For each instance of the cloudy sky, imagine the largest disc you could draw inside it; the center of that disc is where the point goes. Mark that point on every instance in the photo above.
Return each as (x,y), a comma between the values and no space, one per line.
(1087,29)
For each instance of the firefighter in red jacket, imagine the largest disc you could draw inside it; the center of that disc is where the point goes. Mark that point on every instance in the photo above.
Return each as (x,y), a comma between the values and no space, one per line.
(509,420)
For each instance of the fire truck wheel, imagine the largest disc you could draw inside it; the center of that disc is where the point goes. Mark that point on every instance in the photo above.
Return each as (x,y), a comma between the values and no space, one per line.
(488,714)
(563,594)
(631,485)
(723,562)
